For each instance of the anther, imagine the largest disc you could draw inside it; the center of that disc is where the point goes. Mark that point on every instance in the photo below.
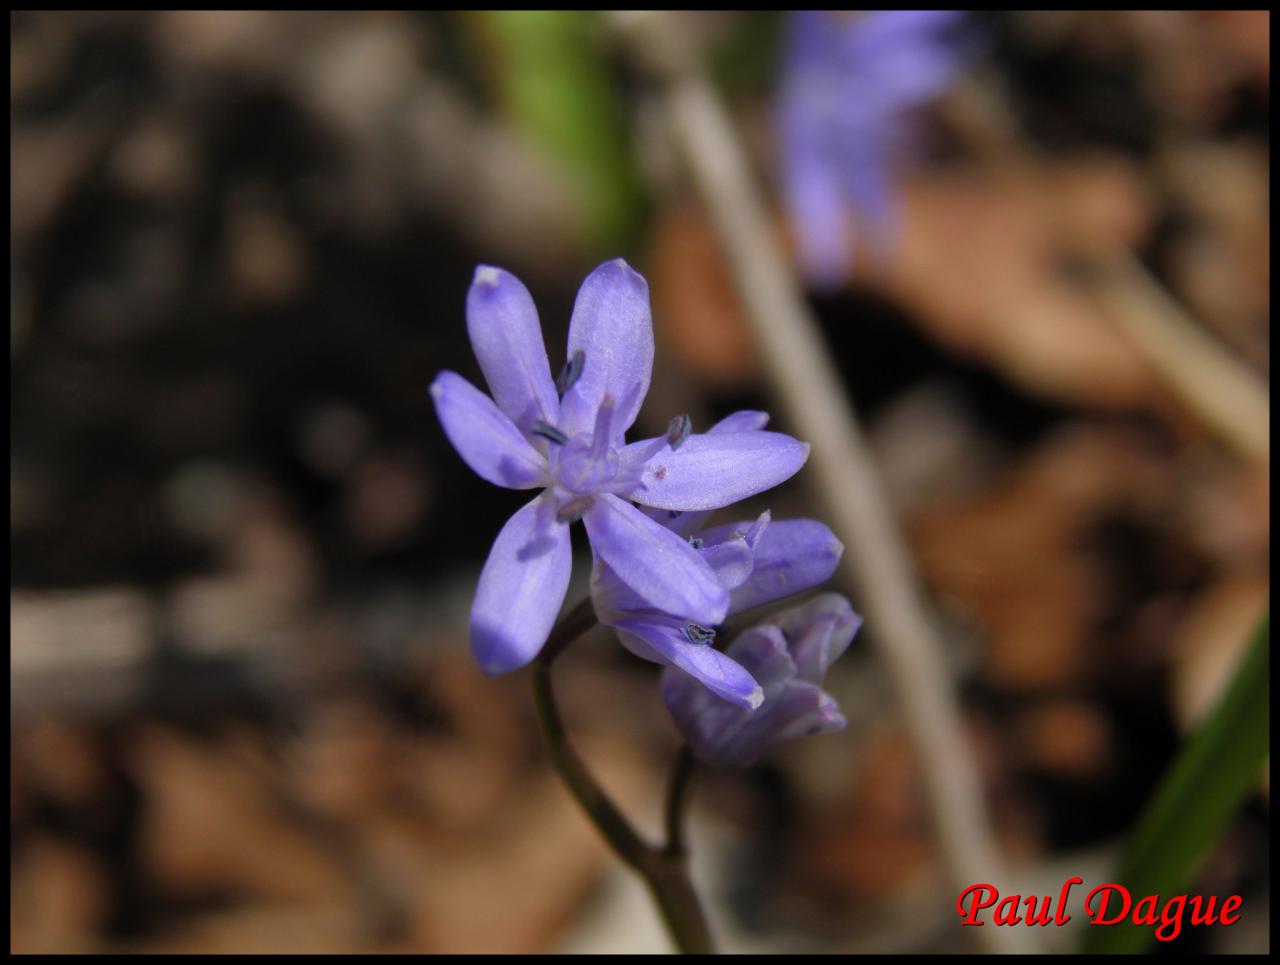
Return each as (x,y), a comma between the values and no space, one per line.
(674,513)
(571,372)
(549,432)
(697,633)
(678,431)
(695,542)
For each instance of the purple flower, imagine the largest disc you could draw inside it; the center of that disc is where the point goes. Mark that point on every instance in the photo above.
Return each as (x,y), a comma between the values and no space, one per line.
(757,561)
(847,83)
(789,656)
(570,444)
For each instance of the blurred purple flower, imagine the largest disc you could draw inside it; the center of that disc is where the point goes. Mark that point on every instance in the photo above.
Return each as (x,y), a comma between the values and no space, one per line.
(789,656)
(757,562)
(847,83)
(570,444)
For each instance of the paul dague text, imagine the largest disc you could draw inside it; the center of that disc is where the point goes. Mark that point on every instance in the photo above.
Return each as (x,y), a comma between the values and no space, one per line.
(1108,904)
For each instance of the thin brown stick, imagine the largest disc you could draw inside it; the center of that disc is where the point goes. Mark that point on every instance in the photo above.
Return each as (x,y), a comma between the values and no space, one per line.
(1222,392)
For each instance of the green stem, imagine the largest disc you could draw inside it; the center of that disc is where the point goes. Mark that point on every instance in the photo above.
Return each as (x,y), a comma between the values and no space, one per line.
(575,623)
(668,881)
(602,811)
(663,869)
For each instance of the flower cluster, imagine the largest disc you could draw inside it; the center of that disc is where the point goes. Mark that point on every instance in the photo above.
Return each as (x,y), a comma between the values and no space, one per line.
(661,580)
(848,81)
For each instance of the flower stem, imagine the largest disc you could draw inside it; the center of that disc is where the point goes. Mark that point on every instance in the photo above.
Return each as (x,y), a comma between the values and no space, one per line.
(663,869)
(574,624)
(677,794)
(602,811)
(668,881)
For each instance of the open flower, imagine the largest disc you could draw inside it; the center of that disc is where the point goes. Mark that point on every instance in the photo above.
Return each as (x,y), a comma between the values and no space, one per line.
(569,443)
(847,84)
(758,562)
(789,656)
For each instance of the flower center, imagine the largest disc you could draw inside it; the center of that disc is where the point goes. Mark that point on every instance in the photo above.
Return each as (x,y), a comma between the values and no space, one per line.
(587,464)
(583,468)
(584,465)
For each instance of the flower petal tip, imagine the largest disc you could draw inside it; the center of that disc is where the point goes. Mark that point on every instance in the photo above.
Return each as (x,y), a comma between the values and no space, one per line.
(487,276)
(620,266)
(492,655)
(495,653)
(836,548)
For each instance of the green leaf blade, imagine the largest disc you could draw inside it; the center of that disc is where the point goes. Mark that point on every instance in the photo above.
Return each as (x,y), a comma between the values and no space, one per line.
(1210,780)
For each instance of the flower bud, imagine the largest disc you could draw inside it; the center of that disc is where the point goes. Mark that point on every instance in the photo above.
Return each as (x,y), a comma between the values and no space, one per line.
(788,656)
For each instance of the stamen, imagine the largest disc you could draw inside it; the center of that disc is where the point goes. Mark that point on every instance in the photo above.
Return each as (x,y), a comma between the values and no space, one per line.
(549,432)
(678,431)
(604,422)
(572,511)
(651,448)
(674,513)
(697,633)
(695,542)
(752,535)
(571,372)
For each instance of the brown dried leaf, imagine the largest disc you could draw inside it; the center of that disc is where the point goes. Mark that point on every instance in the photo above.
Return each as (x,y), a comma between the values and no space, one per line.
(212,825)
(977,262)
(512,885)
(697,315)
(1068,738)
(881,838)
(1012,558)
(1213,635)
(58,899)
